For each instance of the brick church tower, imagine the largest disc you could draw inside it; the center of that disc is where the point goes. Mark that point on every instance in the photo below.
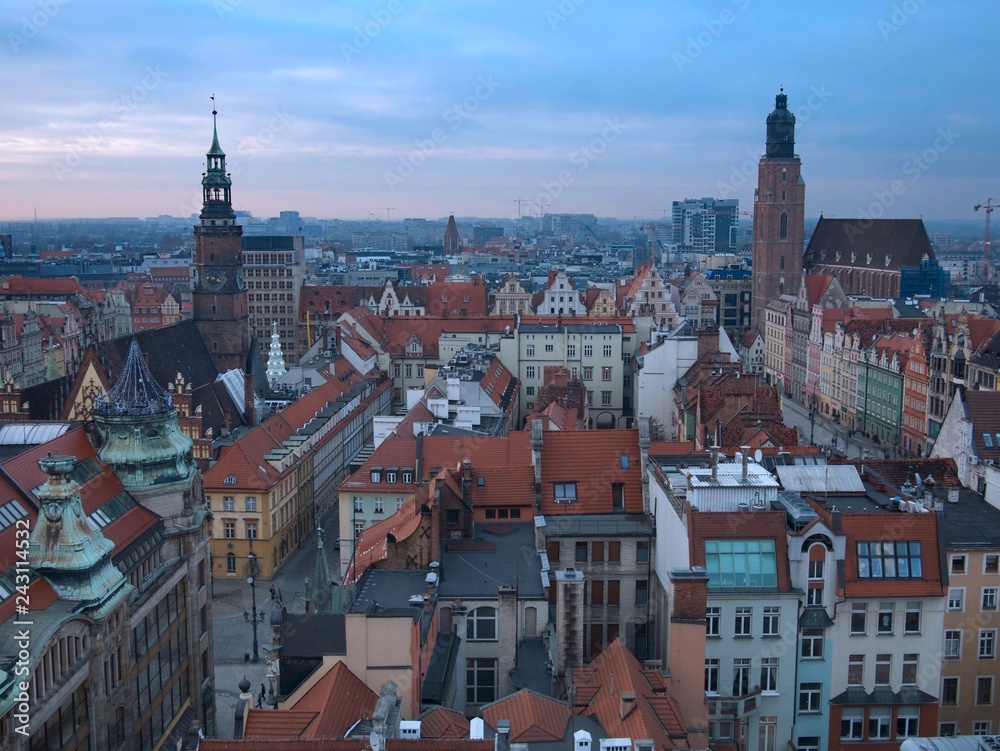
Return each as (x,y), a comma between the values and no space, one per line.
(218,290)
(778,214)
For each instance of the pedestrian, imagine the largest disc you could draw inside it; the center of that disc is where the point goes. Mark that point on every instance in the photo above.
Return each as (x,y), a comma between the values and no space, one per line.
(260,699)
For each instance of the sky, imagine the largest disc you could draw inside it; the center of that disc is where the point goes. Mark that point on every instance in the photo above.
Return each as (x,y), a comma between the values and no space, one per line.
(345,109)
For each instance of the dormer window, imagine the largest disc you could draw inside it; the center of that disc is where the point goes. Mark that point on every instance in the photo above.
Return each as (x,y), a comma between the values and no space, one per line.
(564,492)
(390,475)
(376,474)
(231,480)
(869,258)
(407,476)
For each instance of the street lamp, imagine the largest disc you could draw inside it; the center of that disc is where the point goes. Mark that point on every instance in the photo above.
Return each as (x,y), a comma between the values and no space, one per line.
(812,425)
(252,570)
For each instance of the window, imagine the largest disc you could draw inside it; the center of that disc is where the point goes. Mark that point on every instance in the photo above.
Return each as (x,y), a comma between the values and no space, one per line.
(991,564)
(984,690)
(480,681)
(581,552)
(597,552)
(956,599)
(251,503)
(407,476)
(481,624)
(711,676)
(228,503)
(607,350)
(606,373)
(741,563)
(889,560)
(570,350)
(767,733)
(713,615)
(989,598)
(251,530)
(596,592)
(641,592)
(816,569)
(642,552)
(812,644)
(852,724)
(911,621)
(883,669)
(614,551)
(588,350)
(856,670)
(808,743)
(605,398)
(982,727)
(809,697)
(548,347)
(910,662)
(814,596)
(741,676)
(530,352)
(742,625)
(378,506)
(359,504)
(958,564)
(772,615)
(399,504)
(529,371)
(530,390)
(947,730)
(390,476)
(359,527)
(588,373)
(564,492)
(879,723)
(231,563)
(949,691)
(953,644)
(885,613)
(859,616)
(614,592)
(230,480)
(987,643)
(769,674)
(230,530)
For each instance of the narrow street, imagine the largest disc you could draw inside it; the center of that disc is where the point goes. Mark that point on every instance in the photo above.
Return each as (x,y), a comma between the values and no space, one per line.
(828,433)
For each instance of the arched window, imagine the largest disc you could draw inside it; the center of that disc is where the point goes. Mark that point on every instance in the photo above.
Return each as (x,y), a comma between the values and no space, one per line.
(784,226)
(482,624)
(782,263)
(231,563)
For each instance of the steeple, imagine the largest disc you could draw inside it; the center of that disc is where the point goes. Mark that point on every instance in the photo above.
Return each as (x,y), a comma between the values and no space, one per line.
(68,549)
(136,392)
(452,243)
(275,359)
(322,594)
(217,207)
(781,129)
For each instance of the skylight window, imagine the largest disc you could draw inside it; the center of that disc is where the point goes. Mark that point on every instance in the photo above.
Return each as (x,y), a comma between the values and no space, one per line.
(988,440)
(741,563)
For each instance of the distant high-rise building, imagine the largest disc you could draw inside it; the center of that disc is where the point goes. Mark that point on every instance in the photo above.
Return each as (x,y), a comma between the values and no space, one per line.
(778,214)
(482,234)
(218,290)
(275,269)
(706,225)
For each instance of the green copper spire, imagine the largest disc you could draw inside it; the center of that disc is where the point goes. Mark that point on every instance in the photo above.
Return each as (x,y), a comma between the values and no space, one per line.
(215,150)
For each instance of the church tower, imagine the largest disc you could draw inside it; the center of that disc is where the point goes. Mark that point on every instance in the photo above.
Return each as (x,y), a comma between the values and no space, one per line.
(218,290)
(452,242)
(778,214)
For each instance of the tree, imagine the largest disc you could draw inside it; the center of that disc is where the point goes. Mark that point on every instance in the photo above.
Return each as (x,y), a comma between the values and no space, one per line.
(656,430)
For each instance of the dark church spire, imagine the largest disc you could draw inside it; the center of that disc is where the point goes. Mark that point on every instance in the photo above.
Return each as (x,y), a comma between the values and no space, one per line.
(217,208)
(781,129)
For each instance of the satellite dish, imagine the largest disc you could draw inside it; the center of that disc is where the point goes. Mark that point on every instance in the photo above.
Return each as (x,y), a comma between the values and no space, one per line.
(758,455)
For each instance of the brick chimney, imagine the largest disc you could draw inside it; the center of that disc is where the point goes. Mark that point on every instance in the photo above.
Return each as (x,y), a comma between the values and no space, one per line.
(627,703)
(502,742)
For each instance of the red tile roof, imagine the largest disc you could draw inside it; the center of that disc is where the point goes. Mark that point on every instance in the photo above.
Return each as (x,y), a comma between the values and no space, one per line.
(591,459)
(443,723)
(340,698)
(816,284)
(533,718)
(372,544)
(599,693)
(355,744)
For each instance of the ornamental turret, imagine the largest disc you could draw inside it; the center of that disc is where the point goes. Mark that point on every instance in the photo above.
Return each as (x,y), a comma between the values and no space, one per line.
(139,438)
(275,358)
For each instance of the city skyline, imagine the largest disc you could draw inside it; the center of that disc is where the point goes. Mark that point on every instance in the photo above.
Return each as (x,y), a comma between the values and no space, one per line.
(430,108)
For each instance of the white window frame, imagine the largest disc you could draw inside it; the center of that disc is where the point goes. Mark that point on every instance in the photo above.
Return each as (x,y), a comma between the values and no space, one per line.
(956,599)
(982,727)
(769,675)
(770,623)
(880,723)
(713,617)
(712,676)
(862,609)
(953,636)
(812,640)
(987,644)
(856,717)
(988,598)
(228,503)
(743,621)
(960,559)
(477,620)
(908,722)
(251,503)
(912,607)
(885,624)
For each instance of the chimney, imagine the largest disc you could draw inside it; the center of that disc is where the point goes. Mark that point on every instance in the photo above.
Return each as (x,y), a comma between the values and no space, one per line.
(419,471)
(581,740)
(627,702)
(715,463)
(746,460)
(503,736)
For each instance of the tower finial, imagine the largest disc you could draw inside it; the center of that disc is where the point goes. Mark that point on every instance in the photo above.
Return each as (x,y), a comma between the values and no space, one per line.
(214,113)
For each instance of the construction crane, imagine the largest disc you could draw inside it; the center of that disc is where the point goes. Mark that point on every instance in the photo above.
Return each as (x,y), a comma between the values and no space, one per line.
(372,213)
(519,202)
(987,209)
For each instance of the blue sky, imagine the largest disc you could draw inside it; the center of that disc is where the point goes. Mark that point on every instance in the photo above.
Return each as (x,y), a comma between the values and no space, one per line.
(430,107)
